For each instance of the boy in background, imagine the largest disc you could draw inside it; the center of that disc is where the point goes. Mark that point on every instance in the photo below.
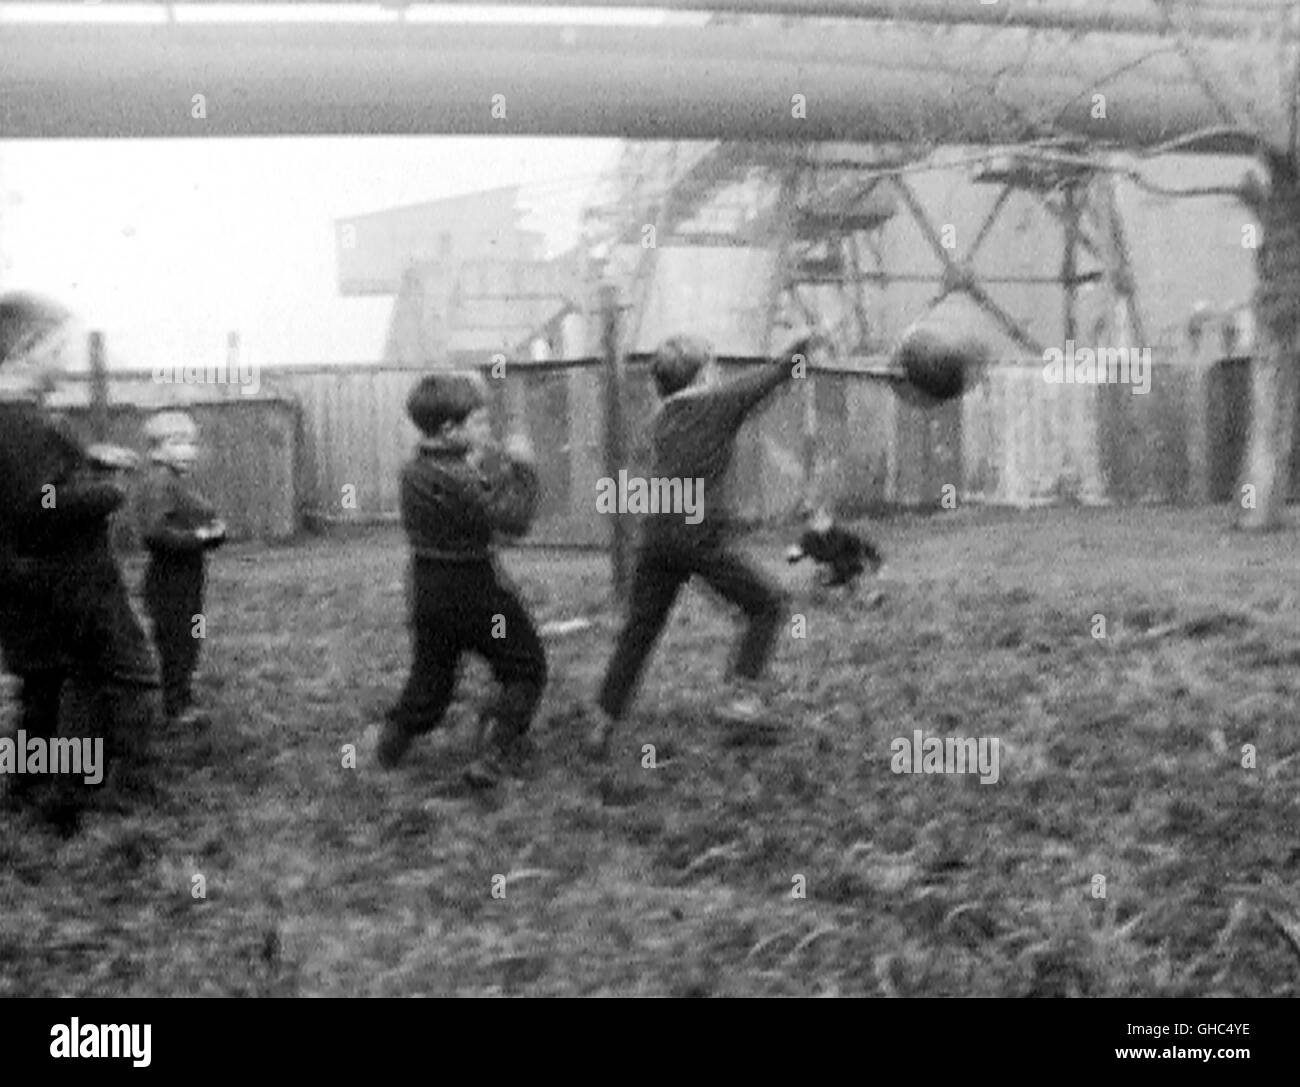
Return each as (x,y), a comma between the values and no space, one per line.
(693,437)
(65,616)
(456,493)
(843,555)
(178,527)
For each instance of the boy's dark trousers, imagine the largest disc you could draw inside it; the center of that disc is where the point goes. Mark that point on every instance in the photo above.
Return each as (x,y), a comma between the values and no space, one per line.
(173,595)
(69,634)
(665,562)
(458,608)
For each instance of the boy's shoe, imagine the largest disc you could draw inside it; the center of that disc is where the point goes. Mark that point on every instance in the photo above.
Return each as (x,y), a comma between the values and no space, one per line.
(503,757)
(749,721)
(393,744)
(125,788)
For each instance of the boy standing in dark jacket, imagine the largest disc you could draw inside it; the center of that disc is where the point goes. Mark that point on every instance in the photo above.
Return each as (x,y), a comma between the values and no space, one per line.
(65,616)
(693,439)
(178,527)
(456,493)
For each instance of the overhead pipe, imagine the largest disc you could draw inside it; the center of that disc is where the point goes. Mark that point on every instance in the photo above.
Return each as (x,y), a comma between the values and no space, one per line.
(1217,18)
(1243,18)
(867,82)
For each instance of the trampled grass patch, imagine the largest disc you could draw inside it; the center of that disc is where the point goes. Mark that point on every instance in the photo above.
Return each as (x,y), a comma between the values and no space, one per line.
(1120,760)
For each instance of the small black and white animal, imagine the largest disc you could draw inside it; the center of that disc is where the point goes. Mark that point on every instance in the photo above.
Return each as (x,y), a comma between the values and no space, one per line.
(843,555)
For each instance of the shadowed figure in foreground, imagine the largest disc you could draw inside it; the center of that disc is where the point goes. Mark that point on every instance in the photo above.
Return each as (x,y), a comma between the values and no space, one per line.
(67,628)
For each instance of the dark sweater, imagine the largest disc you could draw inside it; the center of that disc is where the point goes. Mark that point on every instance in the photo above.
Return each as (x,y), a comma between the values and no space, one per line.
(450,510)
(169,511)
(694,437)
(846,554)
(37,451)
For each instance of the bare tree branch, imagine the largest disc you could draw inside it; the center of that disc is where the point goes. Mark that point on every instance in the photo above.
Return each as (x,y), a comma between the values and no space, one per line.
(1247,135)
(1113,74)
(1197,66)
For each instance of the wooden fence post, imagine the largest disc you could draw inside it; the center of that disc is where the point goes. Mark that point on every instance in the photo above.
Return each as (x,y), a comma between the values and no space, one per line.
(615,435)
(1199,345)
(232,359)
(98,388)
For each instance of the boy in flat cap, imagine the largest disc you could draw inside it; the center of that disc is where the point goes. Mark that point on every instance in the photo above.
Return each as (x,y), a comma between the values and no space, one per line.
(456,493)
(65,617)
(178,527)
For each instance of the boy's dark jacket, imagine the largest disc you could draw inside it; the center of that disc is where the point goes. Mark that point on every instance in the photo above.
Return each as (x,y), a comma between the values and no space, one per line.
(693,436)
(169,511)
(451,510)
(54,536)
(39,452)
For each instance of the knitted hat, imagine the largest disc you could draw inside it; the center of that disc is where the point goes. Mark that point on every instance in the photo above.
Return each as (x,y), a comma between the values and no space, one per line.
(679,361)
(25,320)
(445,398)
(169,424)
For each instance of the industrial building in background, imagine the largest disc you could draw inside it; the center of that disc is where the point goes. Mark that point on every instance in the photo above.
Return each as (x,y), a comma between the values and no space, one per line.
(890,167)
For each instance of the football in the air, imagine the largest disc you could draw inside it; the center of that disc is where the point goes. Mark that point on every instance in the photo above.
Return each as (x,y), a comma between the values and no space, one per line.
(937,367)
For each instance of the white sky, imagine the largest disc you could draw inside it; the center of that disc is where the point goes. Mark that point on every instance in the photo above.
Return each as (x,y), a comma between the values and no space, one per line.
(151,12)
(167,245)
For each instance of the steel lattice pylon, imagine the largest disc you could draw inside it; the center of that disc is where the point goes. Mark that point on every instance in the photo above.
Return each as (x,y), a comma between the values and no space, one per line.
(825,211)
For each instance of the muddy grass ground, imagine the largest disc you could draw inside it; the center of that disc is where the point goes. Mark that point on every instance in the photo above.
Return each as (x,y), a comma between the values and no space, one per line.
(1119,757)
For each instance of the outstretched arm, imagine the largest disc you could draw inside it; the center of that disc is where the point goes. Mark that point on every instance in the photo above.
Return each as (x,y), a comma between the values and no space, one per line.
(733,402)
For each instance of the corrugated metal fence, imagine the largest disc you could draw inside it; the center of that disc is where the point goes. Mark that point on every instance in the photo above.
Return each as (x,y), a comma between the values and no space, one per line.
(328,442)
